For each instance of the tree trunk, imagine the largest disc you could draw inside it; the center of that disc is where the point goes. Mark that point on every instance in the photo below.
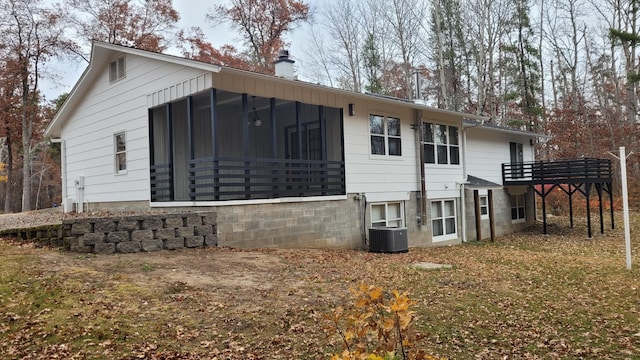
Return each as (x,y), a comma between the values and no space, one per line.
(444,98)
(28,115)
(8,197)
(26,165)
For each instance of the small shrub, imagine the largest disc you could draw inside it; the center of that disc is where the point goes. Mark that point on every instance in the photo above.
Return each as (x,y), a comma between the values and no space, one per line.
(377,326)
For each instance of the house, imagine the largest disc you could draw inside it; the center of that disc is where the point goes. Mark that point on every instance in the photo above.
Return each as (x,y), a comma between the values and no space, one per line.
(283,162)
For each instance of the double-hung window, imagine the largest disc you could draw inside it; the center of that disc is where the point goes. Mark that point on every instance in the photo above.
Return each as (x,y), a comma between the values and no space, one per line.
(443,220)
(441,144)
(385,135)
(388,214)
(120,151)
(518,208)
(484,207)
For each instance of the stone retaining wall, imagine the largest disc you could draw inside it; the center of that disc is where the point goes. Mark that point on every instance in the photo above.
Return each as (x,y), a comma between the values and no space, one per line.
(42,235)
(130,234)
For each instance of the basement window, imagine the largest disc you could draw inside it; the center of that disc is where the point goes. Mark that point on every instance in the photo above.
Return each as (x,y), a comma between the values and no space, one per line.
(444,220)
(484,207)
(387,215)
(518,208)
(117,70)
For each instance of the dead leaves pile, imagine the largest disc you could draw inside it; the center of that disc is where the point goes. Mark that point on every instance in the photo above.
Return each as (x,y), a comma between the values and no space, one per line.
(525,296)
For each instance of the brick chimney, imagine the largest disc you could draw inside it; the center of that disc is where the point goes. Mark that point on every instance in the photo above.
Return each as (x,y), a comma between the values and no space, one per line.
(284,65)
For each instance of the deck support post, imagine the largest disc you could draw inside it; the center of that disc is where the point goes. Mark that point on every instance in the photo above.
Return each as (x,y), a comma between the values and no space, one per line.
(610,191)
(587,194)
(476,203)
(544,211)
(571,205)
(492,221)
(599,190)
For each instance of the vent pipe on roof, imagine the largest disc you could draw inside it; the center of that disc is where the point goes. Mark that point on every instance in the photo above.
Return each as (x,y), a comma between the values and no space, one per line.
(418,91)
(284,65)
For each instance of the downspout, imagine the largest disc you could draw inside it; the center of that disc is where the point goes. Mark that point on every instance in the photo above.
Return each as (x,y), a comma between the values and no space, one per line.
(63,170)
(422,196)
(464,181)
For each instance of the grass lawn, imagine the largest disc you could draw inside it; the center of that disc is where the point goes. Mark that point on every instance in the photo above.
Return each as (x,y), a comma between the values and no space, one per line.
(524,296)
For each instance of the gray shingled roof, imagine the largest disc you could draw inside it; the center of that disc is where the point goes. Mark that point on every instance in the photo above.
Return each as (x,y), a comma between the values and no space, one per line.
(473,181)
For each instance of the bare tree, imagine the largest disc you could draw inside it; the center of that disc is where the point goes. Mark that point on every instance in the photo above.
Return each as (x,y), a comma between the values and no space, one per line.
(565,36)
(263,25)
(347,38)
(33,35)
(487,23)
(405,18)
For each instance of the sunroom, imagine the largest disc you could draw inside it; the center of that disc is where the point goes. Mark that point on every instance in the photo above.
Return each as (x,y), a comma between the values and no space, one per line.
(219,145)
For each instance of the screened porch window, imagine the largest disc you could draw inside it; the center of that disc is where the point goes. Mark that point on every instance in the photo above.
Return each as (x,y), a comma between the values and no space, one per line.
(221,145)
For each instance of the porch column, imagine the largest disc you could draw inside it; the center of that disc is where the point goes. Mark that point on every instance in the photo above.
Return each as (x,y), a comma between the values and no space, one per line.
(213,118)
(170,151)
(192,150)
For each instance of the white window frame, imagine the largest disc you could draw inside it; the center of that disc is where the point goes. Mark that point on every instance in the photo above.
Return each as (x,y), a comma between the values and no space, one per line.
(385,220)
(484,207)
(443,220)
(117,70)
(434,142)
(118,154)
(518,202)
(386,136)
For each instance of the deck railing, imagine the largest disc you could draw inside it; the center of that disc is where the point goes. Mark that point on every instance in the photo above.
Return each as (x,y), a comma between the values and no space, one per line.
(587,170)
(161,182)
(252,178)
(222,179)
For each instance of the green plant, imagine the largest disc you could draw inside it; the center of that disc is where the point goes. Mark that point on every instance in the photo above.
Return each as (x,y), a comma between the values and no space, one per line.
(376,327)
(146,267)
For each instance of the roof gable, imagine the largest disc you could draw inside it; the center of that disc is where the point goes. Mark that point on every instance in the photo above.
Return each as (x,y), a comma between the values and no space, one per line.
(101,54)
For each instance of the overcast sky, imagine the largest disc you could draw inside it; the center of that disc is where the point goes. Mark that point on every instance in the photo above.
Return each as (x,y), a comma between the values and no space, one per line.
(65,73)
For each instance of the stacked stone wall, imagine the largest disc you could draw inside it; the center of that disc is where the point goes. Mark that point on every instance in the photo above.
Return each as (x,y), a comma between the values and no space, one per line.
(131,234)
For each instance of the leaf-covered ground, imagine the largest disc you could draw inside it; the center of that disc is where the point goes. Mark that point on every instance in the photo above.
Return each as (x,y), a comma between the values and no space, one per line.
(525,296)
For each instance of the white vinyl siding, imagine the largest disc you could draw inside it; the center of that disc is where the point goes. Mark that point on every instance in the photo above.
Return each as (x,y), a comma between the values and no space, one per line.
(487,150)
(390,177)
(107,109)
(389,214)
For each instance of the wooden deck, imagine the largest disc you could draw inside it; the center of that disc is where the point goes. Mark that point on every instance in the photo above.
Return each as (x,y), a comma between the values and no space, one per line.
(578,171)
(571,176)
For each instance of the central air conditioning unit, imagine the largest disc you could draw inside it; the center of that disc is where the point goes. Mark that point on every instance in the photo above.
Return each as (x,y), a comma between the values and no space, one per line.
(388,240)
